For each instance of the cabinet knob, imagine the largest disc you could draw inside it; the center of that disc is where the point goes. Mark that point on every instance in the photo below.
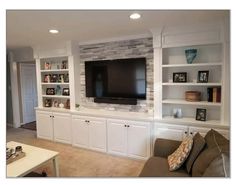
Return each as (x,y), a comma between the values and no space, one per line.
(127,125)
(191,133)
(185,132)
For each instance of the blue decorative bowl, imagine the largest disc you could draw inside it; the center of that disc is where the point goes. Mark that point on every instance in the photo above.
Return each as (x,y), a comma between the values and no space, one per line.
(190,55)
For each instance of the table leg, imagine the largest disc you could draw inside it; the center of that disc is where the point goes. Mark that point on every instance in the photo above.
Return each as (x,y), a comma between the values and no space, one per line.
(56,167)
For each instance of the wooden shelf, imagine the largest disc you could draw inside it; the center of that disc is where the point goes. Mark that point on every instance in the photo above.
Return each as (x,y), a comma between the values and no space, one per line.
(184,102)
(54,70)
(57,83)
(192,65)
(190,84)
(55,96)
(190,120)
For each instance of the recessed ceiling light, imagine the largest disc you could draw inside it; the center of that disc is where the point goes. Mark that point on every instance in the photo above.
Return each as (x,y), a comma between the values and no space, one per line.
(53,31)
(135,16)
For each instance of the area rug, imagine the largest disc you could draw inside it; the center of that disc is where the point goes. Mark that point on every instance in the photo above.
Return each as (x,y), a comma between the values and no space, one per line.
(30,126)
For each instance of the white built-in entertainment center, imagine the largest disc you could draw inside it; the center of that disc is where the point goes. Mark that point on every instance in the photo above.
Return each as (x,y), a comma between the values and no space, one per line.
(119,130)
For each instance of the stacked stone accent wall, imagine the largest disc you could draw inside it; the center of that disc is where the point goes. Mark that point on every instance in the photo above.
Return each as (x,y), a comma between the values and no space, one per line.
(116,50)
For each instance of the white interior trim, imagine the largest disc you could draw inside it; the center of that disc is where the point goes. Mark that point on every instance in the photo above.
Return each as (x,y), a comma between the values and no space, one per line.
(15,94)
(129,37)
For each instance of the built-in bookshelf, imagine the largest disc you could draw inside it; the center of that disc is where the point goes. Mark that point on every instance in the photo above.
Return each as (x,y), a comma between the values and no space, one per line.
(208,58)
(55,82)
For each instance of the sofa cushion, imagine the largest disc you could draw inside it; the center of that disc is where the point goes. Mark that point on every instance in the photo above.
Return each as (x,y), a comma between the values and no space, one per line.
(158,167)
(198,145)
(216,145)
(176,159)
(214,138)
(219,167)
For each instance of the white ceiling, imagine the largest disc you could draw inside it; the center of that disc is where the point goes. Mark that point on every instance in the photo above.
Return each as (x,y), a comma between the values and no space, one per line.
(29,28)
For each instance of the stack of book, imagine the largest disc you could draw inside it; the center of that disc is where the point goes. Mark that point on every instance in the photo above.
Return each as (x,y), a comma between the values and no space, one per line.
(214,94)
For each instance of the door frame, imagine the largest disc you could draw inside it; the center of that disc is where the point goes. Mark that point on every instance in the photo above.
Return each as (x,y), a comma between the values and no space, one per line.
(21,65)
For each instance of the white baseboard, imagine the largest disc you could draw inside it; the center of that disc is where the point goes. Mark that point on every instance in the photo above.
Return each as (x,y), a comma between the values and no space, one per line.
(10,125)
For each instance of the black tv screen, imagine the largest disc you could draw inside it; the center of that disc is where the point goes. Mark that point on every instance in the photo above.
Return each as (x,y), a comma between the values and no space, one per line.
(120,78)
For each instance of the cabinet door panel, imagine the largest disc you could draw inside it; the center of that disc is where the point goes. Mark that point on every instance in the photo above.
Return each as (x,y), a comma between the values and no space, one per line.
(97,136)
(173,132)
(80,133)
(62,128)
(44,125)
(117,137)
(203,131)
(139,141)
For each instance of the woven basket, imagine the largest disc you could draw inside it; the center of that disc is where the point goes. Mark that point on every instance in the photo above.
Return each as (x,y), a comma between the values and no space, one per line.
(193,96)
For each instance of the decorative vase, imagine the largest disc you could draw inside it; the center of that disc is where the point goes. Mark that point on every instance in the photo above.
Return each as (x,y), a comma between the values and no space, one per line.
(190,55)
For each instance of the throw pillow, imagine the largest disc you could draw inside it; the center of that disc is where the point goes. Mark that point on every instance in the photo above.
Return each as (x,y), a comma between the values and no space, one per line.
(198,145)
(219,167)
(176,159)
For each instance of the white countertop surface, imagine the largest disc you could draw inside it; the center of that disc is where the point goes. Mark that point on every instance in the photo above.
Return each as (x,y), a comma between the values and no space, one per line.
(104,113)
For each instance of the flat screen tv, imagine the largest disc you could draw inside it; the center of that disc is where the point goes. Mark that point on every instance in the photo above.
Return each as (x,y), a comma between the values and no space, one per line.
(120,78)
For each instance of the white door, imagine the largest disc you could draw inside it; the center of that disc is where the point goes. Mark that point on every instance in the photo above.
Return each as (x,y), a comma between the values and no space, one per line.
(44,125)
(28,92)
(173,132)
(117,137)
(97,135)
(80,132)
(138,140)
(62,127)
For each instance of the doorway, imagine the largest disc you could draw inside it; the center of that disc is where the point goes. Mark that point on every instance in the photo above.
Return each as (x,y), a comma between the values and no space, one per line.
(28,92)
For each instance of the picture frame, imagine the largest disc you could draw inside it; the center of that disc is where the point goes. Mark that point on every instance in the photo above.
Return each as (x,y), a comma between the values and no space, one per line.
(55,103)
(50,91)
(180,77)
(64,64)
(61,78)
(54,78)
(201,114)
(66,78)
(203,76)
(47,102)
(47,78)
(66,92)
(47,66)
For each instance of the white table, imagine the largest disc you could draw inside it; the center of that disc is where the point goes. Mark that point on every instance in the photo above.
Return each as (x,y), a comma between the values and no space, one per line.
(34,157)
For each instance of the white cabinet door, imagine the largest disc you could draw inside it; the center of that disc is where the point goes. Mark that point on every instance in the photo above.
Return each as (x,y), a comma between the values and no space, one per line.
(203,131)
(97,135)
(173,132)
(44,125)
(62,127)
(80,132)
(117,137)
(138,140)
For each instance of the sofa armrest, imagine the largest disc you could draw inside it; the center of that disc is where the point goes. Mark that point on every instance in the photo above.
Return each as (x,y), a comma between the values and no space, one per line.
(165,147)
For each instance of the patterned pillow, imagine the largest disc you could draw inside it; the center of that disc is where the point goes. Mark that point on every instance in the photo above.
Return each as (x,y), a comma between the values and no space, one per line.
(177,158)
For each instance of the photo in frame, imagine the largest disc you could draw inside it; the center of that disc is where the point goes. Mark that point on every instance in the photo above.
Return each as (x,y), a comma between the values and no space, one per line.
(50,91)
(203,76)
(180,77)
(61,78)
(66,78)
(66,92)
(47,102)
(201,114)
(64,64)
(47,78)
(54,78)
(47,65)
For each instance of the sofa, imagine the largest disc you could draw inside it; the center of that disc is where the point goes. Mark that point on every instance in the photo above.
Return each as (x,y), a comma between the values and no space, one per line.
(209,157)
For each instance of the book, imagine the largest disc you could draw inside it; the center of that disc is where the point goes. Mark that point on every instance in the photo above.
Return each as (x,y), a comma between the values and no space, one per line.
(218,95)
(209,94)
(214,94)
